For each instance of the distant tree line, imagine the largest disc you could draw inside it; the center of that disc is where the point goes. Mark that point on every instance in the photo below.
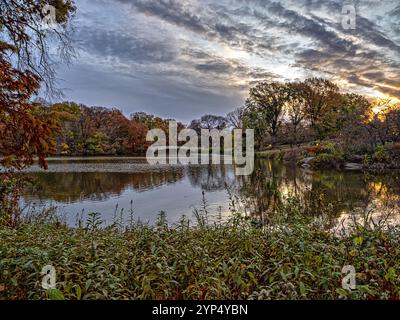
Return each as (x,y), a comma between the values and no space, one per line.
(87,130)
(280,113)
(312,110)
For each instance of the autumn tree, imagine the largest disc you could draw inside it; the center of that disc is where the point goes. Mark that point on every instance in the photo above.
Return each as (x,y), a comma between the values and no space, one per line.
(103,131)
(264,108)
(209,122)
(68,115)
(379,125)
(295,107)
(322,99)
(393,120)
(136,139)
(23,28)
(353,123)
(151,121)
(368,124)
(25,63)
(143,121)
(116,133)
(25,132)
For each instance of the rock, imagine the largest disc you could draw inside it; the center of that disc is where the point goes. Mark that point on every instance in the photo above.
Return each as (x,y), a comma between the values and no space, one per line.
(353,166)
(306,162)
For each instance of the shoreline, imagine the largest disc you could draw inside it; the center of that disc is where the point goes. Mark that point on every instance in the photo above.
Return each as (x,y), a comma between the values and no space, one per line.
(302,160)
(227,262)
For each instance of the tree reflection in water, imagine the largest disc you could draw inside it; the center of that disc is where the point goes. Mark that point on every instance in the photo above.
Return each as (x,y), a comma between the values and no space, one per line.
(72,187)
(332,192)
(211,177)
(260,193)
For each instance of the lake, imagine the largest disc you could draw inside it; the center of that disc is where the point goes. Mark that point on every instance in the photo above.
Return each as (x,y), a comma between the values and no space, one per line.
(116,186)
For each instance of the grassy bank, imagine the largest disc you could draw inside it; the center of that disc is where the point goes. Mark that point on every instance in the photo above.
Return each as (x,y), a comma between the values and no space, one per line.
(295,259)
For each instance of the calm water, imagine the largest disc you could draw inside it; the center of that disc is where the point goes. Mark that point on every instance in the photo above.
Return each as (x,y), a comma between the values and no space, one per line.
(107,185)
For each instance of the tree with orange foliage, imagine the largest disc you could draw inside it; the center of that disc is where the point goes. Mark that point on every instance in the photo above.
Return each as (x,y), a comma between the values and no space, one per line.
(24,132)
(25,64)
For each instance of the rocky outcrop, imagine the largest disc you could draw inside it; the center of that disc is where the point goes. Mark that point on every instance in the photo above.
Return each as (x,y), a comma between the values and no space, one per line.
(353,166)
(306,162)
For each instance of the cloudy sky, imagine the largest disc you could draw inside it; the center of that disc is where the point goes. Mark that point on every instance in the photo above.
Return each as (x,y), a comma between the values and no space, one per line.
(185,58)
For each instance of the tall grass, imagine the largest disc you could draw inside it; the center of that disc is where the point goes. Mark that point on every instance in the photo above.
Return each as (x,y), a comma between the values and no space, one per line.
(292,258)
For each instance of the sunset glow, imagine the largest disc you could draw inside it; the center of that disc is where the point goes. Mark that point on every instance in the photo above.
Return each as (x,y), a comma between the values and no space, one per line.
(168,55)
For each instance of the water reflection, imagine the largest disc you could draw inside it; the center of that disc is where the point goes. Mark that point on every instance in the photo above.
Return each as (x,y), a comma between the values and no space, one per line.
(72,187)
(342,191)
(211,177)
(177,189)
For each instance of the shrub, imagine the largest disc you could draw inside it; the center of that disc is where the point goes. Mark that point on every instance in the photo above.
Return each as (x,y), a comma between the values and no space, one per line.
(381,154)
(295,258)
(293,155)
(330,148)
(10,192)
(327,160)
(313,150)
(328,155)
